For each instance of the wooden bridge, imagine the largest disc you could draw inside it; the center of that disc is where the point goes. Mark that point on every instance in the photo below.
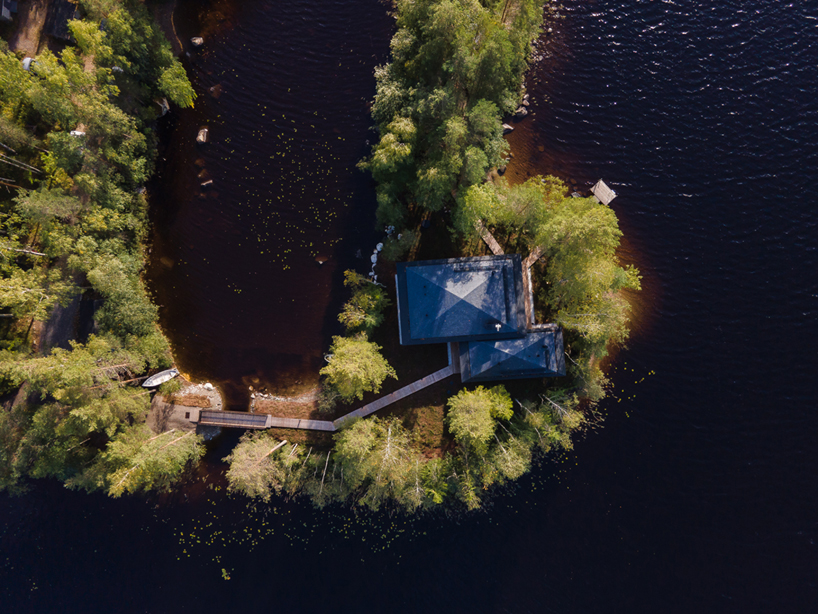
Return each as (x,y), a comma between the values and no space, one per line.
(236,419)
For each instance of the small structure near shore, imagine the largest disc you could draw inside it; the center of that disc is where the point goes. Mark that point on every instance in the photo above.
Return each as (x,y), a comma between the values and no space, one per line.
(603,193)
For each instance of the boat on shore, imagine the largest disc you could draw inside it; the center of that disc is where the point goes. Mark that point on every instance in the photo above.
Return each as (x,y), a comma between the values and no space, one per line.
(160,378)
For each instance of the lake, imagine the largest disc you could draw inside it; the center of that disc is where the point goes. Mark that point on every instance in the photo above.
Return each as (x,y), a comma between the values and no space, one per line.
(696,494)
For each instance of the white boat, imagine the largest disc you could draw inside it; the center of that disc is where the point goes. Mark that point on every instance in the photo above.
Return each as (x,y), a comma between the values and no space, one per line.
(160,378)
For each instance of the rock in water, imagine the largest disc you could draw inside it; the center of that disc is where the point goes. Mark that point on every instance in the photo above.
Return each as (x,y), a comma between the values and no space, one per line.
(507,128)
(197,41)
(203,136)
(520,113)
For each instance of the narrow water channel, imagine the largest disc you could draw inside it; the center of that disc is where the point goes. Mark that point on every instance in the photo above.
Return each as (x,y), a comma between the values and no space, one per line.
(247,269)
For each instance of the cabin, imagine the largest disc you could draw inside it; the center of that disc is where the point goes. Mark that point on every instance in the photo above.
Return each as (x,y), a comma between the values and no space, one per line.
(460,299)
(478,307)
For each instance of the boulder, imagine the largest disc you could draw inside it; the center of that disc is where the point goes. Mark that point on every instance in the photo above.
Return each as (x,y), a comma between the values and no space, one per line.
(507,128)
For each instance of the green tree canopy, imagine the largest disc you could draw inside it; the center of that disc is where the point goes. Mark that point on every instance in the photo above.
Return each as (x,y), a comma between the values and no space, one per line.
(356,366)
(252,470)
(472,415)
(364,311)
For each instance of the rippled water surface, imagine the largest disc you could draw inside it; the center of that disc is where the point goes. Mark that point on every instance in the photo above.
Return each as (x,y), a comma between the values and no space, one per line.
(248,269)
(698,493)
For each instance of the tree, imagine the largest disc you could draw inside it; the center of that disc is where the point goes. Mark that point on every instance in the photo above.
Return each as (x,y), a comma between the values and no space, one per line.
(356,366)
(472,415)
(176,86)
(377,460)
(32,293)
(252,470)
(137,460)
(364,311)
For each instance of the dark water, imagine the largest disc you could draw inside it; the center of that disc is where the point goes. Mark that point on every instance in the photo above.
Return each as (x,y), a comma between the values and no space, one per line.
(235,266)
(699,492)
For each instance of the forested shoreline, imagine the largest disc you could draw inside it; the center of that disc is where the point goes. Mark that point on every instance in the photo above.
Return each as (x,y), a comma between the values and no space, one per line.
(76,129)
(78,146)
(456,70)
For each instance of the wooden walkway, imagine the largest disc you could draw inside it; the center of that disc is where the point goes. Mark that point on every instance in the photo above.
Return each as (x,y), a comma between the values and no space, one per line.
(245,420)
(494,246)
(297,423)
(535,255)
(237,419)
(399,394)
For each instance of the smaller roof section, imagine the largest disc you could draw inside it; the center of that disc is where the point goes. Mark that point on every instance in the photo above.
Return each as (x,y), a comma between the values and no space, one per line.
(538,354)
(460,299)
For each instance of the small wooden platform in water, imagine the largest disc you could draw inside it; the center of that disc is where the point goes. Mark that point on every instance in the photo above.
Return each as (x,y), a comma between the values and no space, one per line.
(603,193)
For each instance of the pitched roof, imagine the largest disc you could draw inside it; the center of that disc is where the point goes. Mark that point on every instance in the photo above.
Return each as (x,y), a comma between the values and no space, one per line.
(538,354)
(460,299)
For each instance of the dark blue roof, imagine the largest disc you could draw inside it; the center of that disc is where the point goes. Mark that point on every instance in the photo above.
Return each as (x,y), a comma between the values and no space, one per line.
(460,299)
(538,354)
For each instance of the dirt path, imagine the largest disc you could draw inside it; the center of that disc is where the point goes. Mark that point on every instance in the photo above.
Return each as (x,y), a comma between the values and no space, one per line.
(30,21)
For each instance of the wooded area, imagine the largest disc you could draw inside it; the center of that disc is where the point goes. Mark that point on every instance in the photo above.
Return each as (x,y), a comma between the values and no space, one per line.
(77,149)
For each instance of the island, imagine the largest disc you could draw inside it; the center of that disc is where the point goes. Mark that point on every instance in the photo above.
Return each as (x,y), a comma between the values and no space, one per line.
(518,287)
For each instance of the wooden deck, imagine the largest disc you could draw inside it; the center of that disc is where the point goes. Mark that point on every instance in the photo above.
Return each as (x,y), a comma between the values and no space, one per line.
(399,394)
(494,246)
(603,193)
